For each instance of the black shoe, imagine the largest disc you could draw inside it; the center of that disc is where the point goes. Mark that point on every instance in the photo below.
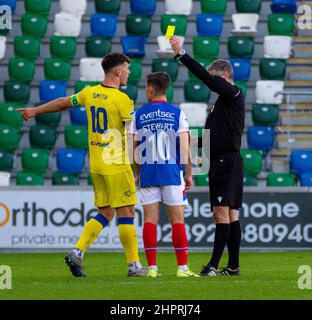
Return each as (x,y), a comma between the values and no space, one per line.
(230,272)
(75,265)
(209,271)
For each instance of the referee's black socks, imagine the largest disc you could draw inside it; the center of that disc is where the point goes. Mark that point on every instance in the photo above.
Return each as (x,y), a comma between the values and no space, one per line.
(233,244)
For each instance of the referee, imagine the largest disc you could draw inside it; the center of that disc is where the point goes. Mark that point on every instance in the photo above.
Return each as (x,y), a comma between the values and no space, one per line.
(226,124)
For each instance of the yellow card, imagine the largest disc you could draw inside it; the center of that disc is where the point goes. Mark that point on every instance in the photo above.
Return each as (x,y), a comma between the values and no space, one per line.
(170,32)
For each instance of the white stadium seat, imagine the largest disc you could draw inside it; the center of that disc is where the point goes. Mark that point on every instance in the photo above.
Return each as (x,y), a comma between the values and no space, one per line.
(77,7)
(67,25)
(196,113)
(278,47)
(4,179)
(165,50)
(179,7)
(245,24)
(91,69)
(2,46)
(267,91)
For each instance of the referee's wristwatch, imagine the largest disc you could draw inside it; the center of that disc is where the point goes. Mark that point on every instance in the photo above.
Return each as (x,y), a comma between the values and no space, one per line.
(181,53)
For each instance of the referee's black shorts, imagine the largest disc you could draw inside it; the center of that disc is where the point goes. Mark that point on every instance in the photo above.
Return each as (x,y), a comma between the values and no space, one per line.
(226,180)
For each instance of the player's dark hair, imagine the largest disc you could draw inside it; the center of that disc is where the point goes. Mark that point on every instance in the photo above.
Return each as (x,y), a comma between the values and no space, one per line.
(160,82)
(113,60)
(221,66)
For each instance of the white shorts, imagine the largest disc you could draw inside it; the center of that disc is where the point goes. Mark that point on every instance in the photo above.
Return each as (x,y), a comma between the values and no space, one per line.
(169,195)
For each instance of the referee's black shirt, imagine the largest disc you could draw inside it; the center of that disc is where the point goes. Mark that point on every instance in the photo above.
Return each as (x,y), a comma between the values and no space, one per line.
(226,118)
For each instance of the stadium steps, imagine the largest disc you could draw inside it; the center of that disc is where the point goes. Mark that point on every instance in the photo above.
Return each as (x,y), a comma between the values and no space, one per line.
(294,141)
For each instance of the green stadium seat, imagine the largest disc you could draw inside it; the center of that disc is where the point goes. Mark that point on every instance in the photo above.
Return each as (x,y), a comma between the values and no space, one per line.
(135,70)
(79,85)
(248,6)
(272,69)
(206,47)
(138,25)
(281,24)
(65,179)
(213,6)
(97,46)
(179,21)
(41,7)
(9,116)
(242,85)
(265,114)
(131,90)
(107,6)
(202,180)
(6,160)
(35,160)
(281,180)
(34,25)
(26,47)
(21,69)
(241,47)
(76,137)
(16,91)
(204,62)
(166,65)
(9,137)
(42,137)
(250,181)
(170,92)
(29,179)
(196,91)
(49,119)
(63,47)
(252,162)
(56,69)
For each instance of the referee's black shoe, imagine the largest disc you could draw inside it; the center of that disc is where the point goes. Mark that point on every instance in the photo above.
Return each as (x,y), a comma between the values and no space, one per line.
(209,271)
(230,272)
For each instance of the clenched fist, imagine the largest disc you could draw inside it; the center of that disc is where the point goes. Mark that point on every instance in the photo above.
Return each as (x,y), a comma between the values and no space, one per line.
(175,44)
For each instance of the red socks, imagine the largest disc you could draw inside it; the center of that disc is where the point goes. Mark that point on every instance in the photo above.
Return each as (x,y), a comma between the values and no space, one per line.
(150,242)
(180,243)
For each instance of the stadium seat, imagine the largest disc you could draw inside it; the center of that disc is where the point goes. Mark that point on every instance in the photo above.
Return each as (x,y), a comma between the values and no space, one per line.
(50,90)
(2,47)
(57,69)
(78,116)
(248,6)
(242,85)
(164,47)
(204,62)
(22,70)
(77,7)
(9,3)
(241,69)
(265,114)
(34,25)
(76,137)
(278,47)
(35,160)
(280,180)
(9,116)
(269,91)
(97,47)
(41,7)
(63,47)
(170,92)
(179,7)
(138,25)
(143,6)
(284,6)
(6,160)
(70,160)
(196,113)
(245,24)
(301,162)
(206,47)
(250,181)
(202,180)
(49,119)
(131,90)
(26,47)
(272,69)
(281,24)
(108,6)
(196,91)
(91,69)
(103,25)
(209,24)
(133,46)
(306,180)
(29,179)
(65,179)
(135,70)
(42,136)
(179,21)
(213,6)
(5,179)
(260,138)
(67,25)
(241,47)
(166,65)
(15,91)
(80,85)
(252,162)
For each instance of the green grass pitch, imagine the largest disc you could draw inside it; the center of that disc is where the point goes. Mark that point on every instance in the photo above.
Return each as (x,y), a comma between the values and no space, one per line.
(45,276)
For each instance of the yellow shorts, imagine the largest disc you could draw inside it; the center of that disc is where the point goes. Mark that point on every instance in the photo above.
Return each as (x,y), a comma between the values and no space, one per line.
(117,190)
